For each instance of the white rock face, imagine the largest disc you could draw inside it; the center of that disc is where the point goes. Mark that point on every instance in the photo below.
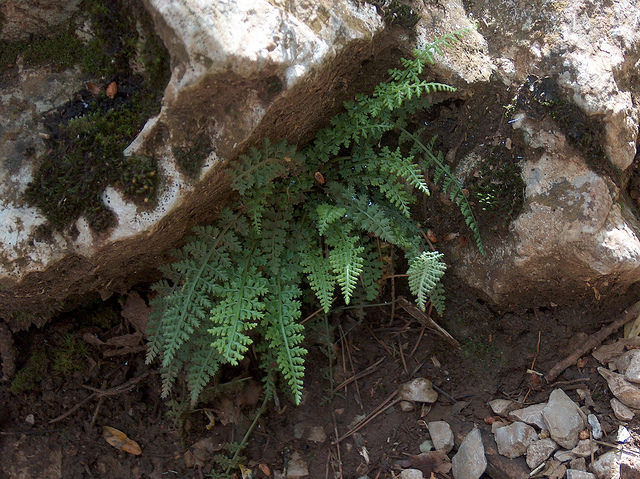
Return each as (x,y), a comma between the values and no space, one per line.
(629,365)
(470,461)
(562,419)
(531,415)
(514,439)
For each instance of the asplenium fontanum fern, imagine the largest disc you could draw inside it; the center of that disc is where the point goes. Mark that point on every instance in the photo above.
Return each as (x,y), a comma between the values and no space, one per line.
(313,217)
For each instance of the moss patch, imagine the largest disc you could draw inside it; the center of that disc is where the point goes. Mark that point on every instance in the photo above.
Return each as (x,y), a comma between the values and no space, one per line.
(89,133)
(31,374)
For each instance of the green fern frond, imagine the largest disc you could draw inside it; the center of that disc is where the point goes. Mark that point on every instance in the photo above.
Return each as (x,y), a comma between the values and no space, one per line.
(320,277)
(284,334)
(238,310)
(327,214)
(204,363)
(425,272)
(346,261)
(371,271)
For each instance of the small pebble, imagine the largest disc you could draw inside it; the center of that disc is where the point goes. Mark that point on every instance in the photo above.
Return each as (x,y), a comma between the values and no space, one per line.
(30,419)
(623,434)
(596,429)
(426,446)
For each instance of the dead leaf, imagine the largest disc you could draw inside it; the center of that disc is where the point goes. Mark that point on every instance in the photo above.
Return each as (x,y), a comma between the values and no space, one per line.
(126,340)
(119,440)
(227,412)
(319,177)
(112,90)
(491,419)
(431,236)
(428,462)
(580,363)
(93,88)
(136,312)
(265,469)
(92,339)
(451,236)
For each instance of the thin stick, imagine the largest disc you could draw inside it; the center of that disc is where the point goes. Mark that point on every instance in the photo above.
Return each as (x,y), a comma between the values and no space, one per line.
(353,371)
(535,358)
(74,408)
(384,405)
(393,292)
(418,341)
(344,362)
(445,394)
(404,363)
(315,313)
(423,318)
(337,444)
(593,341)
(361,374)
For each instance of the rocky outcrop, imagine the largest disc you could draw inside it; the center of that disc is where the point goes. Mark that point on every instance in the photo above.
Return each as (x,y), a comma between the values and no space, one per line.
(245,71)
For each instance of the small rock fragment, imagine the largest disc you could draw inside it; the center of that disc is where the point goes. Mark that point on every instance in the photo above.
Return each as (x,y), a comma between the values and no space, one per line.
(578,464)
(411,474)
(501,407)
(596,429)
(418,390)
(317,434)
(563,456)
(497,425)
(623,434)
(607,466)
(298,430)
(626,392)
(577,474)
(554,469)
(30,419)
(539,451)
(407,406)
(584,448)
(622,412)
(513,440)
(629,365)
(531,415)
(297,467)
(562,419)
(426,446)
(470,461)
(441,435)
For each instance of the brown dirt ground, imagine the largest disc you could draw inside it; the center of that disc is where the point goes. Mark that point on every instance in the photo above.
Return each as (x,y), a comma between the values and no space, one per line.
(496,350)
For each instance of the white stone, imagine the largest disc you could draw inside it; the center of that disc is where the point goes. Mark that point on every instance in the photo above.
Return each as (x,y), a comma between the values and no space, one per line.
(627,393)
(579,474)
(585,448)
(539,451)
(418,390)
(562,419)
(622,412)
(629,365)
(514,439)
(623,434)
(594,424)
(531,415)
(317,434)
(297,466)
(470,461)
(441,435)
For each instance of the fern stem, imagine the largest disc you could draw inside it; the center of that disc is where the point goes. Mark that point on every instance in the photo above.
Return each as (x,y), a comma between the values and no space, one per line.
(245,438)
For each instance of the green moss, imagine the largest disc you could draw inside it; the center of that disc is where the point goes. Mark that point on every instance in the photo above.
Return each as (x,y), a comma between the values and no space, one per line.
(499,187)
(31,374)
(190,158)
(89,133)
(60,50)
(69,357)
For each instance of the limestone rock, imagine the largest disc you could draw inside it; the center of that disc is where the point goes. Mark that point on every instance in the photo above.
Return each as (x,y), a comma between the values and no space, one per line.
(578,474)
(578,464)
(594,424)
(21,18)
(470,461)
(627,393)
(622,412)
(585,448)
(441,435)
(411,474)
(531,415)
(297,467)
(418,390)
(629,365)
(540,451)
(562,419)
(607,466)
(514,439)
(502,407)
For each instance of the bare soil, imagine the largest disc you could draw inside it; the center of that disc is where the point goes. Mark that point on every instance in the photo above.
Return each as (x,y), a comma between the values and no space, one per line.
(497,348)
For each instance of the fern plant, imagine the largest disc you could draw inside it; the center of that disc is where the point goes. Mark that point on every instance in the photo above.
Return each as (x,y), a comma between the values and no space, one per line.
(314,216)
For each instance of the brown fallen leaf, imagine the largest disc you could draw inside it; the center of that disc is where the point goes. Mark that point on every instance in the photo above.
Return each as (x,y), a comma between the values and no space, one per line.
(112,90)
(93,88)
(265,469)
(125,340)
(428,462)
(119,440)
(136,311)
(432,236)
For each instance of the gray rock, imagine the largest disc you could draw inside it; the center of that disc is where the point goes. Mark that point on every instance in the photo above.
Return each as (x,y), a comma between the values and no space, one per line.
(627,393)
(497,425)
(585,448)
(426,446)
(579,474)
(411,474)
(418,390)
(629,365)
(502,407)
(539,451)
(579,464)
(470,461)
(297,466)
(317,434)
(441,435)
(607,466)
(531,415)
(594,424)
(562,419)
(513,440)
(563,456)
(622,412)
(623,434)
